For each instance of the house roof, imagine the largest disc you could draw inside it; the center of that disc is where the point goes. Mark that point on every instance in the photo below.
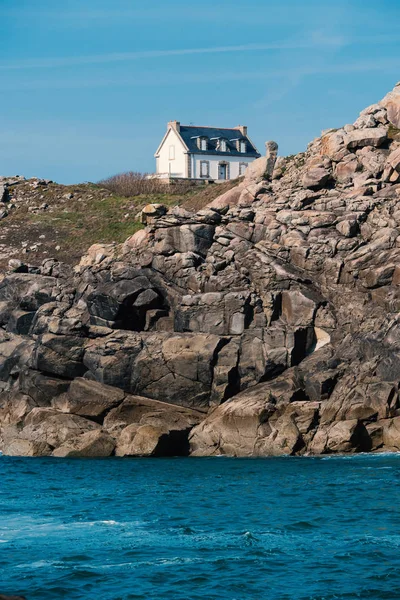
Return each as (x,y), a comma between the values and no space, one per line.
(190,134)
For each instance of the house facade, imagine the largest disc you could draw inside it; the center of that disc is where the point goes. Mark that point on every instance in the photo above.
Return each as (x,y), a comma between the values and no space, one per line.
(204,153)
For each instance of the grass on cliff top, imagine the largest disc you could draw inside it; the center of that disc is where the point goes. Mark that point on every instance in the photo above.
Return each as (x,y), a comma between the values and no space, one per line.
(115,218)
(67,228)
(104,220)
(79,224)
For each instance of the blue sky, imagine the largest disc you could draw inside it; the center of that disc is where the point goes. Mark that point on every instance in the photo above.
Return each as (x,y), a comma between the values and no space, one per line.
(87,86)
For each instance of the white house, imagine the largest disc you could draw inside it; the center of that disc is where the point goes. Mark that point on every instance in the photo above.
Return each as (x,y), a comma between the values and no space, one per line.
(212,153)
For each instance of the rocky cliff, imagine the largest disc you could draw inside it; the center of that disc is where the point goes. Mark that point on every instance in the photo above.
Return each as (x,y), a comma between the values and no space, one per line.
(264,324)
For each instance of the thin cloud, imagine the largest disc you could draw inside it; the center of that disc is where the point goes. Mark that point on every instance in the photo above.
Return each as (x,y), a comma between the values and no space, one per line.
(325,42)
(315,40)
(294,75)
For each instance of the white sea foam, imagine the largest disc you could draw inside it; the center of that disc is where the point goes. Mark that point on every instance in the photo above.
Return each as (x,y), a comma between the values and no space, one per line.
(110,522)
(366,455)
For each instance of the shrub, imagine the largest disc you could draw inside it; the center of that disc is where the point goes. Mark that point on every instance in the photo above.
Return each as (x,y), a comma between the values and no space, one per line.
(136,184)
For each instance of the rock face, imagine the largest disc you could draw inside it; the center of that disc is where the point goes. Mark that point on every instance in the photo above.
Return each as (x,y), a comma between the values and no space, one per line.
(264,324)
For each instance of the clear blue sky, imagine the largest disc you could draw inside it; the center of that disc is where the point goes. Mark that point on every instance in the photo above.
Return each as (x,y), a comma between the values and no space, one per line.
(87,86)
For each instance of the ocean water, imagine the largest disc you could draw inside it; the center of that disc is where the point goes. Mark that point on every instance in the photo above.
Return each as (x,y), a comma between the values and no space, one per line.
(188,529)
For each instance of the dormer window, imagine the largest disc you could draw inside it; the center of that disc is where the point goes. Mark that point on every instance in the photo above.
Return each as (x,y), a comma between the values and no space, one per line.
(242,146)
(221,144)
(202,143)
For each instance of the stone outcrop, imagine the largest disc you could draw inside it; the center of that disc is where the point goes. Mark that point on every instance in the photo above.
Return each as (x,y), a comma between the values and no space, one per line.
(264,324)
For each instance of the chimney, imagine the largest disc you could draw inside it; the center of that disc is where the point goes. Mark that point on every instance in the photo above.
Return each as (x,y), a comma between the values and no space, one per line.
(242,129)
(174,125)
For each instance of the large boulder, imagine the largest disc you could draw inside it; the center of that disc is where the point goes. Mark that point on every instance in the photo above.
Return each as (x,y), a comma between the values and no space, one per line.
(394,159)
(256,422)
(145,427)
(91,444)
(257,170)
(341,436)
(227,199)
(316,177)
(123,304)
(391,433)
(46,429)
(366,137)
(177,368)
(60,355)
(88,398)
(392,103)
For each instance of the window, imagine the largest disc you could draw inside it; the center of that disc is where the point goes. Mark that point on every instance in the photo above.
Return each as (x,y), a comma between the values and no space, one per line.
(202,143)
(171,152)
(204,168)
(223,146)
(242,146)
(242,167)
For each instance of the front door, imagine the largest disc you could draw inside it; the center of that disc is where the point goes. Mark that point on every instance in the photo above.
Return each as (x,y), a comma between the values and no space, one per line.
(222,171)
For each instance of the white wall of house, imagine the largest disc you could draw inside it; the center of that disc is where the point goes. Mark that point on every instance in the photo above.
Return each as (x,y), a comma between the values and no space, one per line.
(172,157)
(236,166)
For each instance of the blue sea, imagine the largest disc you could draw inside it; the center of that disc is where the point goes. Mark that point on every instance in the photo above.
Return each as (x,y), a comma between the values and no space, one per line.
(186,529)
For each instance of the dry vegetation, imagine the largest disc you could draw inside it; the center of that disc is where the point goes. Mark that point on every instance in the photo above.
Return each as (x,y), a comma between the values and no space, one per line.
(133,183)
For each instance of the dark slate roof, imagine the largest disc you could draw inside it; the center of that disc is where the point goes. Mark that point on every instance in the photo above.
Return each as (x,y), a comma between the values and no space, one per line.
(190,133)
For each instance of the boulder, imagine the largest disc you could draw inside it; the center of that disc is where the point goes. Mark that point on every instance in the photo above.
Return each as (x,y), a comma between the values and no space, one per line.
(90,444)
(136,241)
(123,304)
(366,137)
(88,398)
(226,200)
(391,432)
(41,388)
(394,159)
(146,427)
(342,436)
(271,154)
(176,369)
(152,211)
(138,410)
(346,169)
(348,227)
(257,170)
(3,192)
(14,408)
(22,447)
(332,143)
(150,440)
(392,103)
(316,178)
(255,422)
(60,355)
(298,308)
(196,238)
(96,254)
(46,425)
